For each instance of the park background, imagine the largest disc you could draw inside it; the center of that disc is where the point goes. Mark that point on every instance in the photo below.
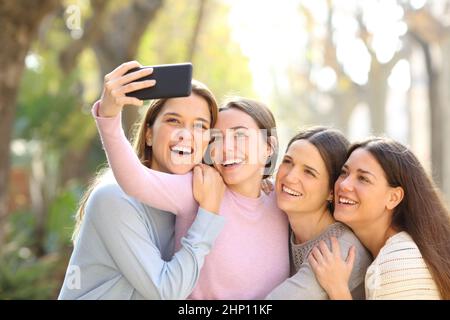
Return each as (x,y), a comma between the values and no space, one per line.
(368,67)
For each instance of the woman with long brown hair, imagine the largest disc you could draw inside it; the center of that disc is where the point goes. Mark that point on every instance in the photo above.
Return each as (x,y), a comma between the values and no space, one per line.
(386,197)
(124,249)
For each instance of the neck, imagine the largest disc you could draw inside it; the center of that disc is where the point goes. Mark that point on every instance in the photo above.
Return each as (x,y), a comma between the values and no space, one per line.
(247,190)
(309,225)
(374,237)
(250,188)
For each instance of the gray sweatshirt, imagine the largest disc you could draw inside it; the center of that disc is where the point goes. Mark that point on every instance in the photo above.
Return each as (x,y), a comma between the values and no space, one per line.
(125,250)
(303,285)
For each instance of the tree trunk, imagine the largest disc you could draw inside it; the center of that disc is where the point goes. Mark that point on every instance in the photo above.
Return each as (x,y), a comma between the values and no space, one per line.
(436,111)
(121,42)
(444,85)
(20,22)
(196,31)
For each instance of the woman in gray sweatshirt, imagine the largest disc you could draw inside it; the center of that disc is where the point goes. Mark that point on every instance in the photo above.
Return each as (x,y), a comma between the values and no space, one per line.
(304,188)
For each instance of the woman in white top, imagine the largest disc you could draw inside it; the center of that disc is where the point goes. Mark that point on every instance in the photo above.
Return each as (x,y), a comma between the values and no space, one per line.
(384,195)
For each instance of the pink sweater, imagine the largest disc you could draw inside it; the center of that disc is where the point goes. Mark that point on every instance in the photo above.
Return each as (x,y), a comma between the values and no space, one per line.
(250,256)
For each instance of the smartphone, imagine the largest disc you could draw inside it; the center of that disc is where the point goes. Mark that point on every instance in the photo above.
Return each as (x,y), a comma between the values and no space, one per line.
(172,80)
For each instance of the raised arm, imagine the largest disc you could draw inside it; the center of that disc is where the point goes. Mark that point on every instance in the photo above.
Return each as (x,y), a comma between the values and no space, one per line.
(164,191)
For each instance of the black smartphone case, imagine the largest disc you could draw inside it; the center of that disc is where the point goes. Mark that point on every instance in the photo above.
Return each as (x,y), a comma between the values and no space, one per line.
(172,80)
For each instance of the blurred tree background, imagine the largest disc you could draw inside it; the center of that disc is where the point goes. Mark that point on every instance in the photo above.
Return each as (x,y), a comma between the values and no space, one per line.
(365,67)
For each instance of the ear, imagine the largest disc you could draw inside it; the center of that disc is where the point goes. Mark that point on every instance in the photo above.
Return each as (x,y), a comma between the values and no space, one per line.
(271,146)
(395,197)
(148,137)
(330,196)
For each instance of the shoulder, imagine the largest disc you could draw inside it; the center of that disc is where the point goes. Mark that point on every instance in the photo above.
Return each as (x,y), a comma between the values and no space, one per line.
(363,258)
(397,248)
(108,202)
(399,271)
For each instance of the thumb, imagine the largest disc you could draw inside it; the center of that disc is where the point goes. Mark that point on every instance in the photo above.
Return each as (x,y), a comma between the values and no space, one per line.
(198,175)
(351,257)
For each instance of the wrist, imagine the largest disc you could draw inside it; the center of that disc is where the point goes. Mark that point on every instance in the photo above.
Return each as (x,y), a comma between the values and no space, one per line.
(211,207)
(105,112)
(340,292)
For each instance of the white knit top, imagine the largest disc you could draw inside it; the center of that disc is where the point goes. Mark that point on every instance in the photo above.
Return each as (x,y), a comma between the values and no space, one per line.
(399,272)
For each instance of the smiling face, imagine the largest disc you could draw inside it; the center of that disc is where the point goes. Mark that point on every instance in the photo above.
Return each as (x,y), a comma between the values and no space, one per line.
(302,182)
(363,196)
(239,150)
(179,135)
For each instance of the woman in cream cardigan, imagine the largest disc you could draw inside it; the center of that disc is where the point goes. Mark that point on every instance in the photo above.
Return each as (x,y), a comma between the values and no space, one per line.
(384,195)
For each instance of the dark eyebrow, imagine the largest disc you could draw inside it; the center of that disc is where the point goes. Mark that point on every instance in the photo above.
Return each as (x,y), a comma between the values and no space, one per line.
(312,169)
(178,115)
(306,166)
(239,127)
(360,171)
(367,172)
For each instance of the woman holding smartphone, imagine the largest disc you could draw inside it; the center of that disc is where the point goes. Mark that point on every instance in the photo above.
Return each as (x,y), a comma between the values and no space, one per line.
(124,249)
(250,256)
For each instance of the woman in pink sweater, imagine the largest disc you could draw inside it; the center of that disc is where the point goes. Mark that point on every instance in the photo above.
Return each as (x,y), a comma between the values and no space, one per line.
(250,256)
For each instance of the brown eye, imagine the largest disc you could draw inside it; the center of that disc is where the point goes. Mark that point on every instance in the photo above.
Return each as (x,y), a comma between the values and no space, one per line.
(173,120)
(309,172)
(363,179)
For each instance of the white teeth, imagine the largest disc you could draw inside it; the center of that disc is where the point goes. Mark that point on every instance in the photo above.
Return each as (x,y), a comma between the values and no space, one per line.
(181,149)
(232,161)
(346,201)
(291,192)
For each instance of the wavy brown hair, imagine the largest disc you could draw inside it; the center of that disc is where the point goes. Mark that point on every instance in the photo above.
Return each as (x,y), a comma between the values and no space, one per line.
(143,151)
(422,212)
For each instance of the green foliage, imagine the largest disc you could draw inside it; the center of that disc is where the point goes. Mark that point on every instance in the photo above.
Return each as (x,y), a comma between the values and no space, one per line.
(23,275)
(53,118)
(27,278)
(218,61)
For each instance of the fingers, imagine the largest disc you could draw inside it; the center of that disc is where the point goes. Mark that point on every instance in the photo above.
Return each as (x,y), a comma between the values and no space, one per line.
(198,174)
(326,253)
(335,247)
(317,255)
(313,263)
(267,186)
(133,76)
(124,100)
(122,69)
(137,86)
(351,257)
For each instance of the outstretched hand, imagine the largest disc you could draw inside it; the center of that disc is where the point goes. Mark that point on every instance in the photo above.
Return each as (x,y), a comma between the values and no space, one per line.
(117,84)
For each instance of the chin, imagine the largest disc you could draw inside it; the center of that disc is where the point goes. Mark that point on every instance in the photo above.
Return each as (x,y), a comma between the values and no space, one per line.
(283,206)
(341,216)
(180,168)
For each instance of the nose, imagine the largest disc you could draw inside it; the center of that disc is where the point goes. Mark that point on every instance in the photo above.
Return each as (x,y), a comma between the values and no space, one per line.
(345,184)
(292,176)
(184,134)
(228,147)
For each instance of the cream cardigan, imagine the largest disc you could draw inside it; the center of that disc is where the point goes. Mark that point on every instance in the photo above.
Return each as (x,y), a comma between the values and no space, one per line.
(399,272)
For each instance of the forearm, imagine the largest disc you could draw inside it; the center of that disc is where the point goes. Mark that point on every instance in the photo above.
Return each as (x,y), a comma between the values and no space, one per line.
(174,191)
(180,275)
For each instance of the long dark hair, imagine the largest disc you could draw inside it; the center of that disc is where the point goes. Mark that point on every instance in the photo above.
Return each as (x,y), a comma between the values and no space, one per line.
(422,212)
(332,146)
